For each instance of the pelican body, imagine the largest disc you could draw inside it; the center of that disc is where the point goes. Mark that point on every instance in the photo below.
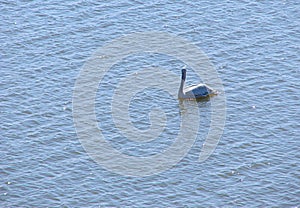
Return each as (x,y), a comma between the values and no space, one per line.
(194,91)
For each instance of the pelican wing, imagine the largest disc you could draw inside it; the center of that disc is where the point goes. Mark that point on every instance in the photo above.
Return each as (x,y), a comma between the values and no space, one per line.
(200,90)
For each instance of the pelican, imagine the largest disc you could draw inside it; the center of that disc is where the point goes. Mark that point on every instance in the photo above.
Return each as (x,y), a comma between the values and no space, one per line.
(194,91)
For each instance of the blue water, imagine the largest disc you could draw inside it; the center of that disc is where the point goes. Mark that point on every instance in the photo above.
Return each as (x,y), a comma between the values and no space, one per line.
(254,46)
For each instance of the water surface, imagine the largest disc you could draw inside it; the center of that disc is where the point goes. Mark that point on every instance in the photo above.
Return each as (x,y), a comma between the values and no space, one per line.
(254,46)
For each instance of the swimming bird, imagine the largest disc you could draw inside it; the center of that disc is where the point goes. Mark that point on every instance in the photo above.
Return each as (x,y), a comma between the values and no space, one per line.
(194,91)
